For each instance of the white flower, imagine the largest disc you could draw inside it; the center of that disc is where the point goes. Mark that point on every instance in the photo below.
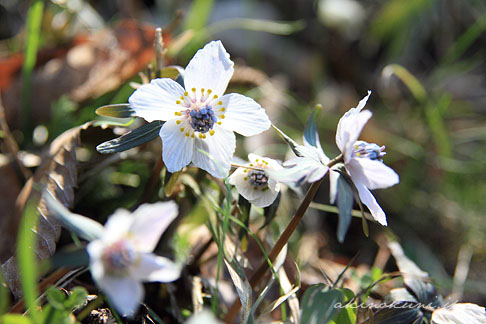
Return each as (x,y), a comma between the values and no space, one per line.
(363,160)
(200,117)
(257,186)
(460,313)
(121,259)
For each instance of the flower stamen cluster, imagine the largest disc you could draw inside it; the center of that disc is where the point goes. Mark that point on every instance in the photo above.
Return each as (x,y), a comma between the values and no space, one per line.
(371,151)
(119,257)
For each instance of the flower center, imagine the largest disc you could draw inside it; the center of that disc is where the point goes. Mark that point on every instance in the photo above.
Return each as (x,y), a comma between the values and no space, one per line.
(371,151)
(202,120)
(258,178)
(199,112)
(119,256)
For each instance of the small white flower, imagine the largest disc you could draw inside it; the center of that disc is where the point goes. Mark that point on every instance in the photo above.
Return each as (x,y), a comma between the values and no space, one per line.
(460,313)
(363,160)
(257,186)
(200,117)
(121,259)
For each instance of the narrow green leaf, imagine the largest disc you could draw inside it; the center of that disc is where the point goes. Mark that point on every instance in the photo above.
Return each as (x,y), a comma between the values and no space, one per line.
(134,138)
(172,181)
(15,319)
(271,211)
(27,263)
(260,25)
(345,207)
(311,135)
(293,145)
(4,295)
(116,110)
(34,20)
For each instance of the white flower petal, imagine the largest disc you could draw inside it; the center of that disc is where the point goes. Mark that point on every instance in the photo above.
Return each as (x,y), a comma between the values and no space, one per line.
(157,100)
(177,148)
(211,68)
(125,293)
(304,169)
(117,225)
(220,146)
(459,314)
(333,181)
(267,197)
(152,267)
(363,102)
(373,174)
(244,115)
(151,220)
(367,198)
(95,251)
(349,129)
(240,181)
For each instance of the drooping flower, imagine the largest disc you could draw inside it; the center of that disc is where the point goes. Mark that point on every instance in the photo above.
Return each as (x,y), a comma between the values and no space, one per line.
(363,161)
(121,259)
(257,185)
(199,116)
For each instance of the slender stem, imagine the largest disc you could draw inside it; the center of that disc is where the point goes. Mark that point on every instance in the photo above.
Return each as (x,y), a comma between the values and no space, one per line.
(283,239)
(159,52)
(234,165)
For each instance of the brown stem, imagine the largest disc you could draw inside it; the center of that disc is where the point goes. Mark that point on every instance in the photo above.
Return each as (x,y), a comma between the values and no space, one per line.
(283,239)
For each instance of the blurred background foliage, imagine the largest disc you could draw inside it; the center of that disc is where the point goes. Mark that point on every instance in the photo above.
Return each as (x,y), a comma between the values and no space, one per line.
(424,60)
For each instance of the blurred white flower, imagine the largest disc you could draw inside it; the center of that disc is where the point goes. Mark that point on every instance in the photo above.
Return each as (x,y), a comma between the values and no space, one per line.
(203,317)
(259,187)
(121,259)
(200,117)
(459,314)
(363,160)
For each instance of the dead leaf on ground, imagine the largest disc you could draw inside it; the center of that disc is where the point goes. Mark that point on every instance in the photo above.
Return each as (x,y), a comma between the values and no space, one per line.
(98,63)
(58,174)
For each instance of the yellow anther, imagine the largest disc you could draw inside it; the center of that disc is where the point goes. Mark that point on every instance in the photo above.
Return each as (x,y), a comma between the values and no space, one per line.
(209,91)
(220,103)
(202,89)
(219,123)
(187,134)
(192,135)
(246,170)
(215,97)
(256,160)
(358,154)
(251,164)
(211,132)
(178,122)
(245,178)
(177,113)
(186,93)
(178,102)
(182,129)
(223,109)
(222,116)
(193,89)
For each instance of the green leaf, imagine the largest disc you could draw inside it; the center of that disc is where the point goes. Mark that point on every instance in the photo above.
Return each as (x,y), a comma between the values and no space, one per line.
(56,298)
(345,207)
(15,319)
(4,295)
(70,258)
(26,258)
(296,148)
(348,314)
(171,181)
(243,287)
(424,291)
(116,110)
(319,304)
(311,135)
(398,313)
(76,299)
(133,138)
(271,211)
(82,226)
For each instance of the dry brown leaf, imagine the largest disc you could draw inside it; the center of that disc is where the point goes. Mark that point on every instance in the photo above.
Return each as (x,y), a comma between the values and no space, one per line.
(98,63)
(58,174)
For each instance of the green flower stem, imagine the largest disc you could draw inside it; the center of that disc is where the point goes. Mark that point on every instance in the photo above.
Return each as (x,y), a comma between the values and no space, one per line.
(259,274)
